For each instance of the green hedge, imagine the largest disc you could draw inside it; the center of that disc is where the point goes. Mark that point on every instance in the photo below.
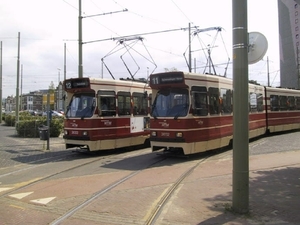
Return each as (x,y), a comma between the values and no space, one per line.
(28,125)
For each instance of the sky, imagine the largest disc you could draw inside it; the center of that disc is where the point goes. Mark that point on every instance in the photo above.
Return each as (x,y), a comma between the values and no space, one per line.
(154,33)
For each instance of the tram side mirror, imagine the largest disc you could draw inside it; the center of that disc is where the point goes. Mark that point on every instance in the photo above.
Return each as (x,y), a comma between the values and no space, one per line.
(145,94)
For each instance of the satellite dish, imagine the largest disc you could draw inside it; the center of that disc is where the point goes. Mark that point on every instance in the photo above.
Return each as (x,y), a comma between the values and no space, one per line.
(257,48)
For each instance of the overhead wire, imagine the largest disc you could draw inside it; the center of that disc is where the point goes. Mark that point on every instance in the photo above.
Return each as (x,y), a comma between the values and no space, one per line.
(181,10)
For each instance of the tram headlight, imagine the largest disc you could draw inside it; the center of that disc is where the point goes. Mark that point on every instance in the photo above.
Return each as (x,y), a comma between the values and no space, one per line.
(84,133)
(179,135)
(66,132)
(153,133)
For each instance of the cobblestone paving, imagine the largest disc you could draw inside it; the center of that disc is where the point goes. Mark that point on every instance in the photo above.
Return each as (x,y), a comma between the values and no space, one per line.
(16,150)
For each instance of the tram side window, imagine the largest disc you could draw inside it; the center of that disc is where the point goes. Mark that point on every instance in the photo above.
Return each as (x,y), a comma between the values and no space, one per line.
(199,101)
(106,103)
(274,102)
(297,103)
(291,103)
(124,103)
(260,102)
(140,104)
(214,101)
(283,103)
(225,101)
(256,102)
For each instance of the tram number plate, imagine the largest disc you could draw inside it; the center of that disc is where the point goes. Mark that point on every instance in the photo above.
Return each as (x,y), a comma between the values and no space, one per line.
(74,132)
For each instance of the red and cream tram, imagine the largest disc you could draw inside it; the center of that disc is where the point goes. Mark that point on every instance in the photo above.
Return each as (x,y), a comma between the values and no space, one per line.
(106,114)
(193,112)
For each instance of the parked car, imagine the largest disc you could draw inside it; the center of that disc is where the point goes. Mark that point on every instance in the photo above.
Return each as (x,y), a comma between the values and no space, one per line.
(53,113)
(32,112)
(35,112)
(39,113)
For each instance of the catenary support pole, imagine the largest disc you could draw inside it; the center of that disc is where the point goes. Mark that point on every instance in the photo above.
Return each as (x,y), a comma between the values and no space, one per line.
(80,66)
(1,82)
(240,198)
(190,49)
(65,76)
(18,84)
(48,120)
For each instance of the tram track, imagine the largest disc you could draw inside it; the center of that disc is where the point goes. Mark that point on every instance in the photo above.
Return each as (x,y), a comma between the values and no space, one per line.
(109,161)
(154,214)
(100,193)
(164,199)
(44,178)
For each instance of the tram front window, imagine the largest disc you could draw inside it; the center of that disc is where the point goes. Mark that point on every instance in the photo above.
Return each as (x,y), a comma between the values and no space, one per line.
(171,103)
(81,106)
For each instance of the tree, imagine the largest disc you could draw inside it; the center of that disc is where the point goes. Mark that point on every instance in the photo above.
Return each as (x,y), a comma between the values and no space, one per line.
(51,87)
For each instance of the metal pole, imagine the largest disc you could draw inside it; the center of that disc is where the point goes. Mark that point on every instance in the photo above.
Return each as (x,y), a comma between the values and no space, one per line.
(240,187)
(18,81)
(1,82)
(57,93)
(48,120)
(190,49)
(298,67)
(21,98)
(58,76)
(80,67)
(102,69)
(268,71)
(65,74)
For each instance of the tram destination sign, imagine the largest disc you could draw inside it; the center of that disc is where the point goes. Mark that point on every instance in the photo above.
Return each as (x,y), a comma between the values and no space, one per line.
(77,83)
(170,78)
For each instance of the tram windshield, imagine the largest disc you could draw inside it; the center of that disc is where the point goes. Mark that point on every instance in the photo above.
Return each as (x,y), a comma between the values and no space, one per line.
(81,106)
(172,102)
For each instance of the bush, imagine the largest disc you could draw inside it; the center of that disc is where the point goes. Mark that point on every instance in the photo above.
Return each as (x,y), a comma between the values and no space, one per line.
(10,120)
(56,126)
(30,128)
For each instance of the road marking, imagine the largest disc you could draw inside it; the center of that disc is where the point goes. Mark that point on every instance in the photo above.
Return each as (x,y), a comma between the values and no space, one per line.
(5,189)
(43,201)
(20,195)
(18,207)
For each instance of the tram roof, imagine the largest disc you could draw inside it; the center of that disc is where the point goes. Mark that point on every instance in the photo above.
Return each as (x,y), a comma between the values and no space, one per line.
(113,82)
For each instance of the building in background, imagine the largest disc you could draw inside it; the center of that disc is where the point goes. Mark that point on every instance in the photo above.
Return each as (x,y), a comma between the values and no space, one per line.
(289,41)
(32,101)
(37,100)
(10,104)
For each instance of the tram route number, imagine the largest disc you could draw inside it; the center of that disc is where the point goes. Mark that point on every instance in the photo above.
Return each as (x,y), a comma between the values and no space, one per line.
(74,132)
(167,79)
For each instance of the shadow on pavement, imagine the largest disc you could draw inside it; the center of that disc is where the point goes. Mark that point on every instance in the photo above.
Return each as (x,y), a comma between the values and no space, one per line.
(274,199)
